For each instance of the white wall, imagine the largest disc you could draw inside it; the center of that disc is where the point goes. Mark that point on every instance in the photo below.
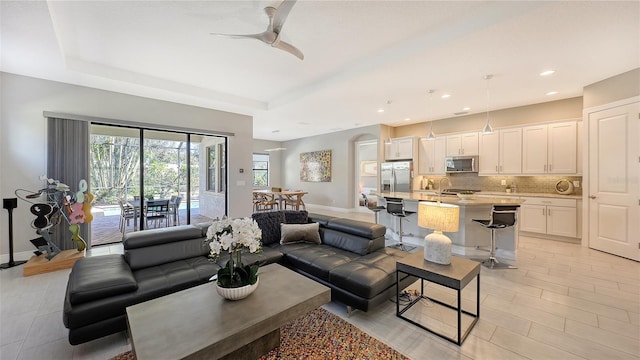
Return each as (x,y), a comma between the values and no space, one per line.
(340,192)
(23,138)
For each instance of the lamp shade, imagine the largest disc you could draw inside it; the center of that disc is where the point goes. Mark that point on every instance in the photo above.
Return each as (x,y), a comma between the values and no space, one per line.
(438,216)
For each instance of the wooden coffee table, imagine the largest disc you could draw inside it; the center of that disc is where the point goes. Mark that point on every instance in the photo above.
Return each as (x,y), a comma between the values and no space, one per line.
(199,324)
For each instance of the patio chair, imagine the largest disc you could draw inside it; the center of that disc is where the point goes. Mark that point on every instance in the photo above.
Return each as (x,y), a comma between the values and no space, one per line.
(174,209)
(157,211)
(126,213)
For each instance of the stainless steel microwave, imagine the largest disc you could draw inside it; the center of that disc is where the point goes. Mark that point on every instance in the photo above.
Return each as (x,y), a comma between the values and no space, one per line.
(460,164)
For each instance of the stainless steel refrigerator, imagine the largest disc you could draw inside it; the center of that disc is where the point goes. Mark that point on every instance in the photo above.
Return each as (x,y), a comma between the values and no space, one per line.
(396,176)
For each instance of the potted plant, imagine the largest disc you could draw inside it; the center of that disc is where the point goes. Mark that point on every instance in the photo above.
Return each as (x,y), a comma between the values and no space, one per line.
(508,188)
(235,280)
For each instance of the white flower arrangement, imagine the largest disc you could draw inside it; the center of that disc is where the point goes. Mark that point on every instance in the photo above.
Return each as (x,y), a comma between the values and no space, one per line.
(234,235)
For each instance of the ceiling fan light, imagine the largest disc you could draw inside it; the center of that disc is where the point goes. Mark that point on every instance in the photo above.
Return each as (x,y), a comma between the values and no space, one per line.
(388,141)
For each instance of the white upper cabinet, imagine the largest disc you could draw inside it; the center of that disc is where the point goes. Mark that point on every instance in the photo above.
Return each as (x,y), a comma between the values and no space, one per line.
(549,149)
(501,152)
(462,144)
(562,148)
(400,149)
(431,156)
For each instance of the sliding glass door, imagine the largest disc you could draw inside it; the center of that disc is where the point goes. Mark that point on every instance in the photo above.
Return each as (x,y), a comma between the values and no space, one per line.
(146,178)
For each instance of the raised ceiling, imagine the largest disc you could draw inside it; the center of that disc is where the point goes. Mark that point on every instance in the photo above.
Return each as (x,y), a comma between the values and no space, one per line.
(358,55)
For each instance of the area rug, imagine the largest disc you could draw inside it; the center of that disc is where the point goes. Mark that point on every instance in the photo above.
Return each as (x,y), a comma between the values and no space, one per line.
(321,335)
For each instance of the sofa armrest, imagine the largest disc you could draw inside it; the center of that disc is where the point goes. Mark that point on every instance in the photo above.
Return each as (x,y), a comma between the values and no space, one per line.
(99,277)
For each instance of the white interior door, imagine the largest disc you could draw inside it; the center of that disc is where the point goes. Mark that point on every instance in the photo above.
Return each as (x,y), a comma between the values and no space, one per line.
(614,181)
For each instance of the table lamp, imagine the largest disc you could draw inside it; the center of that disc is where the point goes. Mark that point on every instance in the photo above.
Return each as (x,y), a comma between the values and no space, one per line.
(438,217)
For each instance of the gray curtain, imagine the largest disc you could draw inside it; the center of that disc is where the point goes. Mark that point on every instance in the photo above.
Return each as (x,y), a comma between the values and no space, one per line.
(68,161)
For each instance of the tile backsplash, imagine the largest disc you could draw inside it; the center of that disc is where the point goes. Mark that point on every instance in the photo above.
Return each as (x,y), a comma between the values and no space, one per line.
(528,184)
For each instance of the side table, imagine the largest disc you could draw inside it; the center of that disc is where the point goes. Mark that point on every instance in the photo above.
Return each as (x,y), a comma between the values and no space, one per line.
(456,275)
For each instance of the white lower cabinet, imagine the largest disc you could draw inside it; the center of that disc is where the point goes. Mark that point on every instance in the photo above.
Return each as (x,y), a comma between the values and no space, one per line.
(549,216)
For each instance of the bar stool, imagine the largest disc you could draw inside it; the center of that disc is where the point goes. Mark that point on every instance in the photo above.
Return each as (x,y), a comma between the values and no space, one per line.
(502,216)
(395,207)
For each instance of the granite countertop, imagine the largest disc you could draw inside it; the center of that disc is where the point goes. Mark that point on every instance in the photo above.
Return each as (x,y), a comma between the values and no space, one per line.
(453,199)
(513,195)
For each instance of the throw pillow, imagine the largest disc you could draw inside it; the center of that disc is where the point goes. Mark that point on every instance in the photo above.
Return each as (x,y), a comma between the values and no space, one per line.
(295,216)
(269,222)
(294,233)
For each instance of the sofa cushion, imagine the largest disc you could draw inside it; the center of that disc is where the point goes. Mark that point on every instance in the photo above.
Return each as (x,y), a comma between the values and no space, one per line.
(269,222)
(323,220)
(316,260)
(368,275)
(349,242)
(359,228)
(265,257)
(100,277)
(203,227)
(295,216)
(293,233)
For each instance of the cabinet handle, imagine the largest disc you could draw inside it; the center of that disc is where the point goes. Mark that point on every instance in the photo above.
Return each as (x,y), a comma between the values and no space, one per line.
(496,168)
(500,168)
(592,196)
(544,212)
(545,168)
(550,167)
(548,212)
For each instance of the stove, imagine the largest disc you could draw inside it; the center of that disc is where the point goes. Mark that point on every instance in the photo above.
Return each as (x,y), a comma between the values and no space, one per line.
(456,191)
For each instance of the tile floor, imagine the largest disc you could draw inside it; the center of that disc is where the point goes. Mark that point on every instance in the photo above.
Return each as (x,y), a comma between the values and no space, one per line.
(564,302)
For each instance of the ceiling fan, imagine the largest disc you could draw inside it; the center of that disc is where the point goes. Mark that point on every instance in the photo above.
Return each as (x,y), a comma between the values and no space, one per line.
(271,36)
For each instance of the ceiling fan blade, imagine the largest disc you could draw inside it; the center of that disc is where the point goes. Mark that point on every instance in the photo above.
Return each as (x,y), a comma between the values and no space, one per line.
(281,15)
(264,37)
(289,48)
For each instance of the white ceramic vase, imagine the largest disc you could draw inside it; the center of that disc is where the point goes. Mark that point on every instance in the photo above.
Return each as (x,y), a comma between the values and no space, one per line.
(236,293)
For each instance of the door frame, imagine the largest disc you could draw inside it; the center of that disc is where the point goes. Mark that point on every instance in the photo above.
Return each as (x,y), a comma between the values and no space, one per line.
(585,159)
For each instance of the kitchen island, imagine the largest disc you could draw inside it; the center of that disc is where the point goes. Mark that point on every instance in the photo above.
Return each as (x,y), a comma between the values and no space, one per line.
(470,235)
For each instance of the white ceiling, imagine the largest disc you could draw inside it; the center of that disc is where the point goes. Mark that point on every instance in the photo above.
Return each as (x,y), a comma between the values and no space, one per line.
(358,55)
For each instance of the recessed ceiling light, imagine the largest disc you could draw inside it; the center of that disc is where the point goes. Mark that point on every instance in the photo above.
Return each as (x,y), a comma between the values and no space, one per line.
(303,123)
(275,131)
(466,108)
(380,110)
(547,72)
(552,93)
(446,96)
(407,119)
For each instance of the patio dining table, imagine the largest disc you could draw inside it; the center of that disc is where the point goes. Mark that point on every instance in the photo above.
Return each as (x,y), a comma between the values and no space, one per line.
(137,211)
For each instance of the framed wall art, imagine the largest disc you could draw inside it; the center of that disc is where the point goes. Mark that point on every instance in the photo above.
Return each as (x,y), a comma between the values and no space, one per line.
(315,166)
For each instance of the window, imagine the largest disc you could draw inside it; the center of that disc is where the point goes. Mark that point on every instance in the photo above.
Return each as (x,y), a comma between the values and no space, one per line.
(216,169)
(212,171)
(260,169)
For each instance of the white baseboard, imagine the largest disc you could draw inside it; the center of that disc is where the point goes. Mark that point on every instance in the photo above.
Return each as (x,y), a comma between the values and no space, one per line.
(24,255)
(312,207)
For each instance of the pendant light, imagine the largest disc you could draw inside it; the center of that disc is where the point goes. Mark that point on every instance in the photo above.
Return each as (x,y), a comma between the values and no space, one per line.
(388,141)
(487,126)
(431,135)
